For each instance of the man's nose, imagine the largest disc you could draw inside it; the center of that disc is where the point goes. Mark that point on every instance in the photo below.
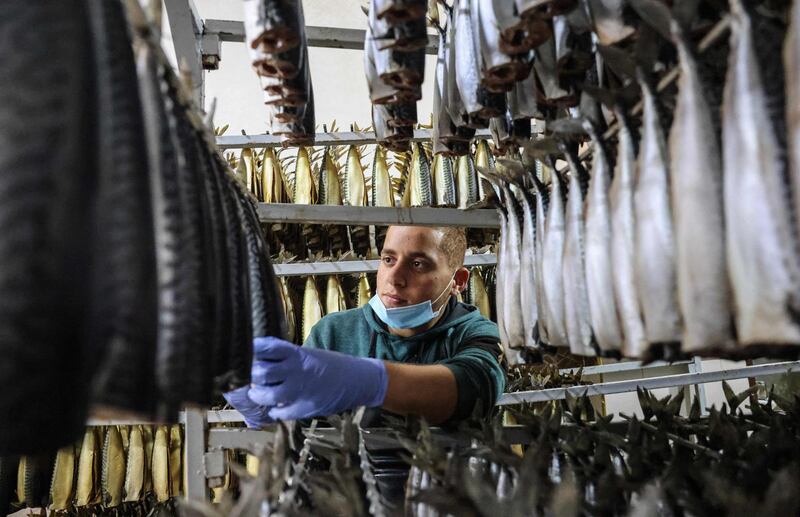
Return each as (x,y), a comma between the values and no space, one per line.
(396,276)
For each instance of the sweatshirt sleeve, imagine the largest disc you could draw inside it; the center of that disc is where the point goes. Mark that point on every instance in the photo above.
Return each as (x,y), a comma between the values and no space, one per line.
(480,376)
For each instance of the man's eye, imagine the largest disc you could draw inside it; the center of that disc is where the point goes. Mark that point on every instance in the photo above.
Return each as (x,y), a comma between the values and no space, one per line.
(387,260)
(418,264)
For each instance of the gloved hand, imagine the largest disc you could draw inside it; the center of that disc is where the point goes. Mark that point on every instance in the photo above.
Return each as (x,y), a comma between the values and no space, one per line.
(296,382)
(254,414)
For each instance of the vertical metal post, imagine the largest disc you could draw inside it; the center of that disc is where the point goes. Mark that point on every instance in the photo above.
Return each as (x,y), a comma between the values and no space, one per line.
(696,366)
(186,27)
(194,451)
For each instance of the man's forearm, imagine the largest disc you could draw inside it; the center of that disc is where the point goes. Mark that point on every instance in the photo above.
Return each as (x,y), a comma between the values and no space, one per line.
(429,391)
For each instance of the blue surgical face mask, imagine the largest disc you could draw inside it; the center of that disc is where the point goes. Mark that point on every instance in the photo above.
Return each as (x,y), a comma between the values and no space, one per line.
(410,316)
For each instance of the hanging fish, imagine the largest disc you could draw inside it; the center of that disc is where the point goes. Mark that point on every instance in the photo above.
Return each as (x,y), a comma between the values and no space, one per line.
(500,275)
(113,466)
(496,25)
(419,181)
(330,189)
(542,205)
(241,172)
(32,480)
(364,292)
(608,21)
(249,159)
(466,181)
(444,184)
(334,296)
(382,191)
(656,280)
(148,443)
(576,301)
(552,265)
(288,309)
(791,64)
(135,467)
(599,266)
(761,236)
(61,486)
(623,246)
(175,460)
(304,191)
(696,176)
(483,160)
(479,296)
(465,45)
(355,191)
(527,274)
(312,307)
(160,469)
(87,487)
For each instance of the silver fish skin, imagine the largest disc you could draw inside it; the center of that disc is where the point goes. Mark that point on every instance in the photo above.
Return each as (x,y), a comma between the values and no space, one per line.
(512,313)
(542,316)
(623,244)
(467,70)
(466,181)
(500,285)
(576,298)
(791,63)
(545,67)
(451,95)
(656,280)
(552,280)
(696,179)
(444,181)
(608,23)
(599,283)
(442,123)
(527,272)
(760,236)
(493,16)
(379,91)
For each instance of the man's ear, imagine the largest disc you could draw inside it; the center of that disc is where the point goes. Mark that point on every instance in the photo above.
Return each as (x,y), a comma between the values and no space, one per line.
(461,280)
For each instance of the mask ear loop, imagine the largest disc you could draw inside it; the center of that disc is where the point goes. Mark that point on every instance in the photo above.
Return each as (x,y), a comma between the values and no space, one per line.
(445,291)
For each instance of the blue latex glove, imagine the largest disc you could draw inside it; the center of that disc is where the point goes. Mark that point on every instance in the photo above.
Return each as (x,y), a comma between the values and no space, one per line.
(295,382)
(254,414)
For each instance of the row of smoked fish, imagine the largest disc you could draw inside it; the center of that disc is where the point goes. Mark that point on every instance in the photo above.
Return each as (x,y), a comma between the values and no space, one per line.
(577,462)
(136,263)
(276,41)
(119,470)
(358,176)
(304,304)
(679,236)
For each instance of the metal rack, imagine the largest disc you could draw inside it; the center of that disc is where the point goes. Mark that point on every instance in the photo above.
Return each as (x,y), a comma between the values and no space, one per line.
(349,267)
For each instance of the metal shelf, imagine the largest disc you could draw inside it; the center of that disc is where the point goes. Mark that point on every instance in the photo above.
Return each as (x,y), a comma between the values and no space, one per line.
(623,366)
(349,267)
(325,37)
(323,139)
(666,381)
(377,216)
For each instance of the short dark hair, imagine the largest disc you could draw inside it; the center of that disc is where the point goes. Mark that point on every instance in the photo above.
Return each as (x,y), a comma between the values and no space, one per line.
(454,244)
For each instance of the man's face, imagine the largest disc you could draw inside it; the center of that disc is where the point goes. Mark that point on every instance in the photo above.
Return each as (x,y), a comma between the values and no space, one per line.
(414,268)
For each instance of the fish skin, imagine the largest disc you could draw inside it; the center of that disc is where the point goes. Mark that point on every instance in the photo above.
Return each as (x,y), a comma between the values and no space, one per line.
(444,182)
(697,207)
(304,191)
(500,272)
(542,318)
(330,189)
(512,312)
(499,69)
(576,300)
(545,67)
(175,461)
(623,245)
(364,292)
(552,261)
(420,180)
(527,272)
(608,22)
(355,190)
(87,489)
(160,470)
(479,295)
(113,468)
(599,269)
(382,191)
(483,160)
(466,181)
(656,280)
(147,441)
(334,295)
(270,26)
(791,63)
(288,309)
(466,55)
(312,307)
(61,486)
(760,237)
(135,468)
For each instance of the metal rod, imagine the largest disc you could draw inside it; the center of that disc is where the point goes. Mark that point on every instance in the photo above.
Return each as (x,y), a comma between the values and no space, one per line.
(323,139)
(325,37)
(194,449)
(666,381)
(622,366)
(378,216)
(349,267)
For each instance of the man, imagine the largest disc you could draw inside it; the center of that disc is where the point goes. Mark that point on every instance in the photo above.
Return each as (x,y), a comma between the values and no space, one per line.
(412,350)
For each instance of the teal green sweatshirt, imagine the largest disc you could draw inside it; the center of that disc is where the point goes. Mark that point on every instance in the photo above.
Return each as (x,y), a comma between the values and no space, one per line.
(462,340)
